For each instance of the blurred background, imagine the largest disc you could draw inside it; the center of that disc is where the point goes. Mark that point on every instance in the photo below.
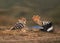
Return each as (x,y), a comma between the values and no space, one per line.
(11,10)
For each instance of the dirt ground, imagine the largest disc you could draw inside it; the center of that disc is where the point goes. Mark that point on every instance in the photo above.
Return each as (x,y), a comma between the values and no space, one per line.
(17,36)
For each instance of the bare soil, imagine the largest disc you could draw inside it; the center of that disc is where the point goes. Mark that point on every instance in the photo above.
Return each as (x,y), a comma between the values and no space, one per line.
(17,36)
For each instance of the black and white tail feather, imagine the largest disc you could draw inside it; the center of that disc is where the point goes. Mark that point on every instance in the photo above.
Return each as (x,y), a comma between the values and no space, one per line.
(47,26)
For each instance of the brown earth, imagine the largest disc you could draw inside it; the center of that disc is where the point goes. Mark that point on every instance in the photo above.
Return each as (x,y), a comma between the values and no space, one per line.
(17,36)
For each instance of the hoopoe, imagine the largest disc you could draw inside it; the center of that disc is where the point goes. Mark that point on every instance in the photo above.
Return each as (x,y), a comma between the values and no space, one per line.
(20,24)
(47,25)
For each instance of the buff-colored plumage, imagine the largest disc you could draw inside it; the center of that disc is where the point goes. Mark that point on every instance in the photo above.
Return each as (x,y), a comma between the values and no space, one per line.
(37,19)
(22,20)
